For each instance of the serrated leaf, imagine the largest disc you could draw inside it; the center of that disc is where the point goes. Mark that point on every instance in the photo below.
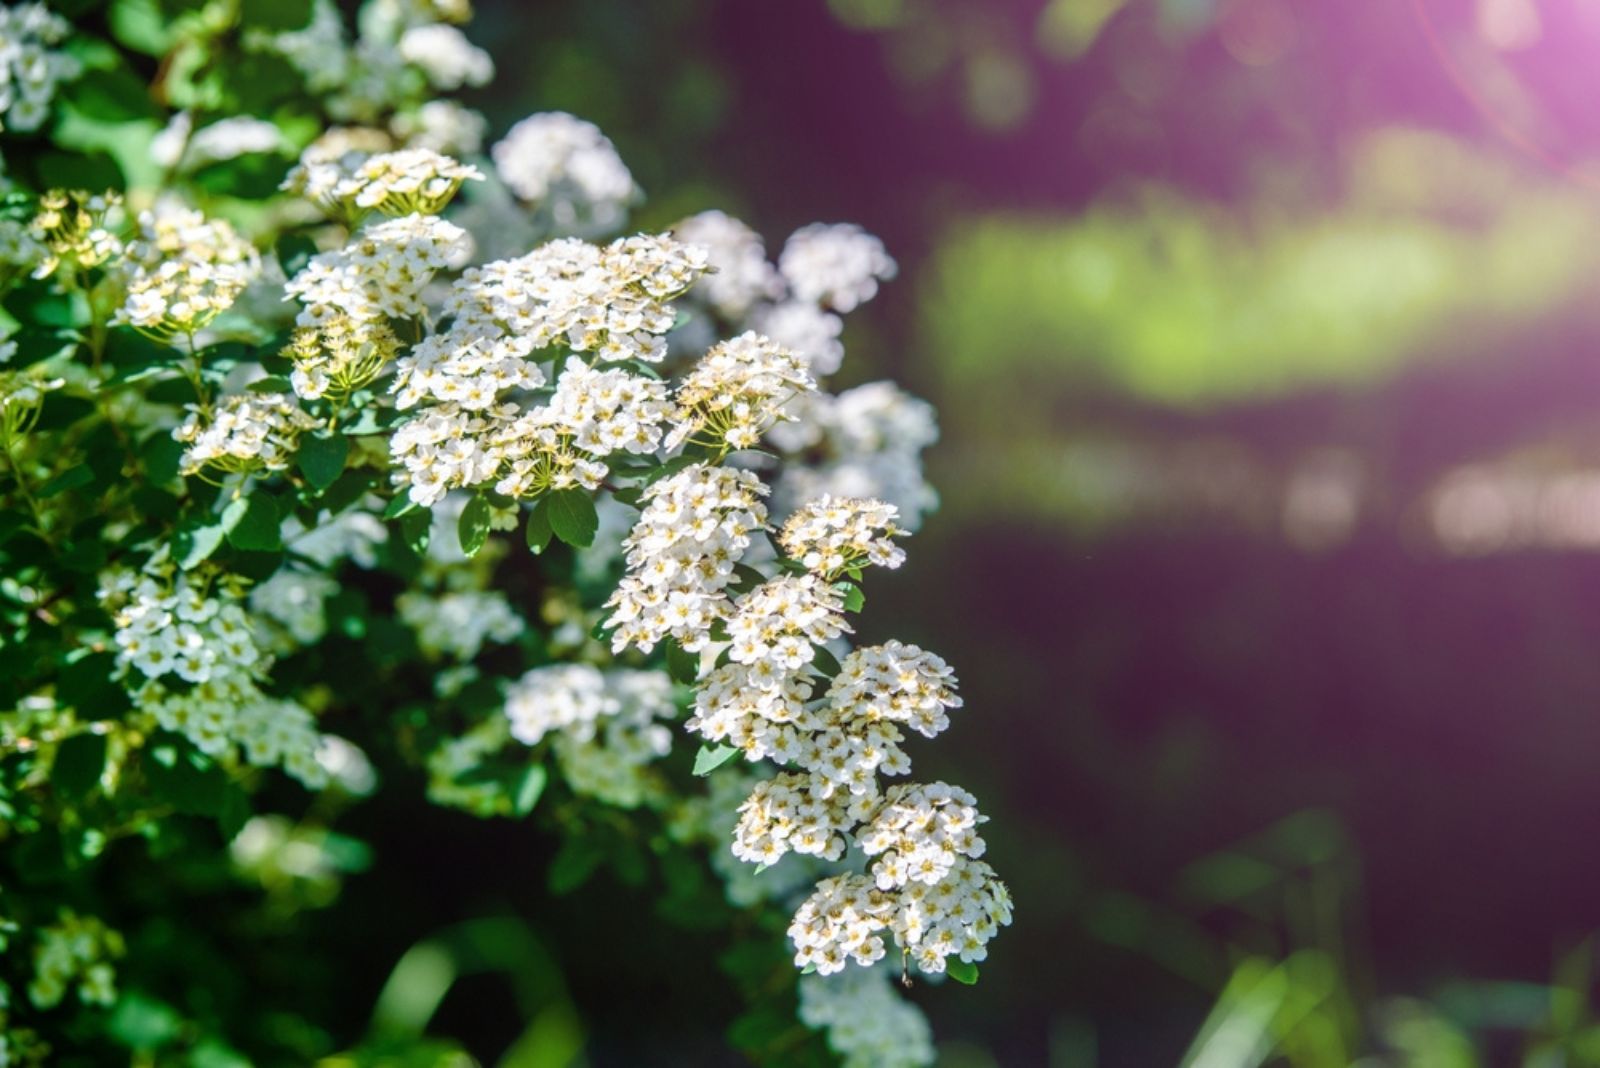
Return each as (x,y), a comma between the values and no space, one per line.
(253,522)
(79,761)
(472,529)
(572,517)
(961,971)
(321,459)
(854,599)
(539,532)
(712,757)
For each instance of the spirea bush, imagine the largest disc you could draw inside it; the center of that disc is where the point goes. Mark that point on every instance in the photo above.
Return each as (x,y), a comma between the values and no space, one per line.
(341,454)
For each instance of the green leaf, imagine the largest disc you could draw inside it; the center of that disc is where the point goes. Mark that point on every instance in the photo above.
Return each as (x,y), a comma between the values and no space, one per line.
(195,542)
(529,789)
(682,665)
(399,506)
(712,757)
(271,384)
(572,517)
(322,459)
(144,1024)
(416,528)
(854,599)
(574,863)
(253,522)
(183,777)
(275,15)
(961,971)
(79,761)
(539,532)
(473,528)
(161,455)
(294,252)
(825,663)
(745,579)
(71,478)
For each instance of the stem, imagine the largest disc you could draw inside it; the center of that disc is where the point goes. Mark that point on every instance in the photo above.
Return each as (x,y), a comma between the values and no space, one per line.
(26,489)
(192,372)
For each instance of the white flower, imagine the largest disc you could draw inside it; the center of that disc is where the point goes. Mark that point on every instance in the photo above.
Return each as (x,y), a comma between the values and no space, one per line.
(183,271)
(865,1021)
(244,432)
(604,725)
(831,535)
(695,527)
(569,169)
(30,70)
(839,265)
(739,272)
(736,391)
(457,624)
(381,272)
(446,56)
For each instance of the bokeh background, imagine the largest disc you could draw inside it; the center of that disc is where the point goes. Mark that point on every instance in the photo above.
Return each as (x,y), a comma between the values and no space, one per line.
(1265,341)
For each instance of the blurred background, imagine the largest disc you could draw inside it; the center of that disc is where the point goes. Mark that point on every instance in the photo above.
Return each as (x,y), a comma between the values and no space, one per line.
(1265,342)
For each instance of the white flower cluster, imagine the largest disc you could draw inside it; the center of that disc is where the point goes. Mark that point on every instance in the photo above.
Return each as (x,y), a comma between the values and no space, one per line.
(29,69)
(740,275)
(459,623)
(832,535)
(604,726)
(295,602)
(927,888)
(866,441)
(400,52)
(736,391)
(382,271)
(793,812)
(781,621)
(844,919)
(183,270)
(838,264)
(339,355)
(568,169)
(442,125)
(865,1021)
(75,949)
(179,145)
(166,625)
(446,56)
(411,181)
(76,230)
(244,432)
(695,526)
(612,301)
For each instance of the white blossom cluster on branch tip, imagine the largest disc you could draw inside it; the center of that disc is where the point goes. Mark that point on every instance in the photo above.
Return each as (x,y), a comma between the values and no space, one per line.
(183,270)
(926,889)
(568,169)
(865,1021)
(190,661)
(605,727)
(30,66)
